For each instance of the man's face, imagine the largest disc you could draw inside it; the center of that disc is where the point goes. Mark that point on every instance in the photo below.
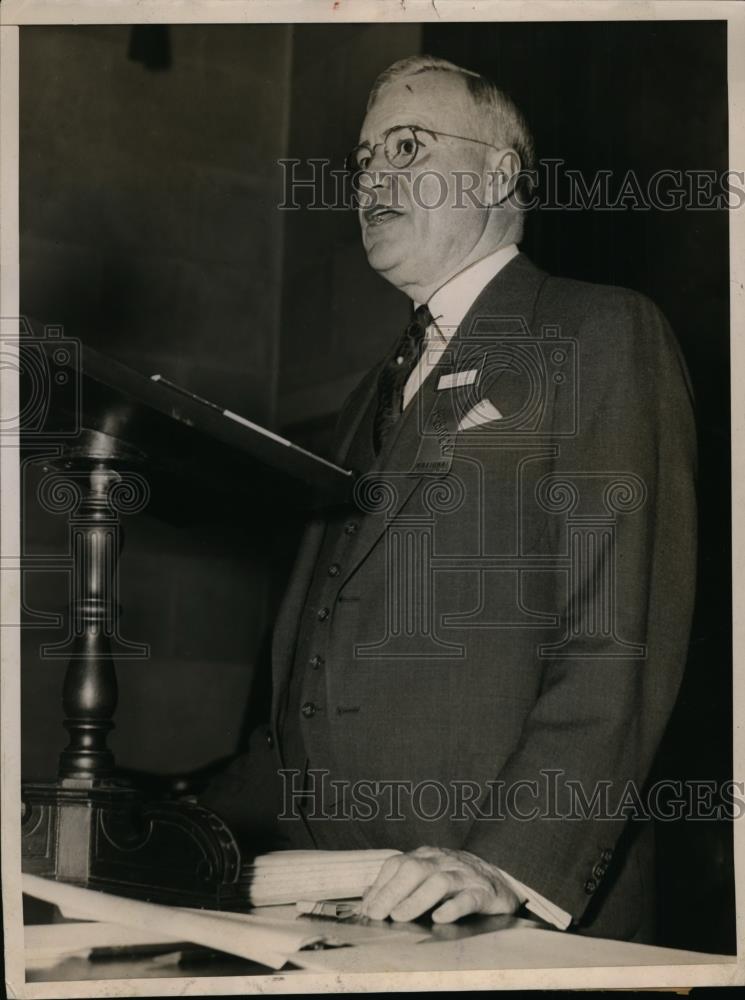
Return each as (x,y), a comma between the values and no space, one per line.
(418,247)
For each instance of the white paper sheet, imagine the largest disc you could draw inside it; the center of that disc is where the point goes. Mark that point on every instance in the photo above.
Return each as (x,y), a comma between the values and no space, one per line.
(271,944)
(513,948)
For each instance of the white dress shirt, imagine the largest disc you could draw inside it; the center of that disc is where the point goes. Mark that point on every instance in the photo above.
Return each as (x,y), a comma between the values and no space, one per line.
(449,305)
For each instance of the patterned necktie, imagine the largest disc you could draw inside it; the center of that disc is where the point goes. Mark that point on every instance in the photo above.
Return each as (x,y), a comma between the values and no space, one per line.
(394,376)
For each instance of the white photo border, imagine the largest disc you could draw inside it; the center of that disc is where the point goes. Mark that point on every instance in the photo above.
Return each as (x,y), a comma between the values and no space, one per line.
(14,13)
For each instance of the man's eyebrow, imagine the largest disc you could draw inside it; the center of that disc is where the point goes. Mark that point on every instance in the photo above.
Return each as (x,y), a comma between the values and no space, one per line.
(414,124)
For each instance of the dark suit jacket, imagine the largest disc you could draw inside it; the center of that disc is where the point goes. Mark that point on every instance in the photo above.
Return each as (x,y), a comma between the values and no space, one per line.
(537,658)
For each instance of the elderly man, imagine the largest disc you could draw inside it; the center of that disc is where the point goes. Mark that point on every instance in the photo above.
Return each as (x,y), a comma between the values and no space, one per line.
(475,663)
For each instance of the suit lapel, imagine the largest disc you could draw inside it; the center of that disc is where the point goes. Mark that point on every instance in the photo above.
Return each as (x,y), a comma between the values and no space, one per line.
(366,395)
(390,479)
(508,300)
(287,623)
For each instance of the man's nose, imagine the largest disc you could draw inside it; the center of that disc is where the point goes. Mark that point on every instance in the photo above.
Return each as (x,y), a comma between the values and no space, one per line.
(378,160)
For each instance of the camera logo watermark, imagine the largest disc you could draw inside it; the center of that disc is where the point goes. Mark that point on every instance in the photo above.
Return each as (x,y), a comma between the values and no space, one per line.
(509,466)
(47,366)
(69,470)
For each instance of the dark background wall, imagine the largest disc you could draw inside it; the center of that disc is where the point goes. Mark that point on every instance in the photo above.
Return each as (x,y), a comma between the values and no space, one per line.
(330,335)
(150,229)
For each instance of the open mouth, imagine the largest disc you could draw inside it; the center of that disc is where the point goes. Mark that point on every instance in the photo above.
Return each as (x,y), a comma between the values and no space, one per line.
(380,214)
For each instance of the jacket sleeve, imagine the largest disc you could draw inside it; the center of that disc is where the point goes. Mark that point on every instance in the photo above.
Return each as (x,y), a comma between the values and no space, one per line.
(585,751)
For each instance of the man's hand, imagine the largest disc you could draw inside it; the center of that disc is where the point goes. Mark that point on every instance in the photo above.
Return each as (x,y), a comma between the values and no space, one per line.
(410,884)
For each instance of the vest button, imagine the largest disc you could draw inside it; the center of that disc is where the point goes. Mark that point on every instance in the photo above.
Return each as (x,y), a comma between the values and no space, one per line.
(269,740)
(590,886)
(316,661)
(334,569)
(322,614)
(350,527)
(308,710)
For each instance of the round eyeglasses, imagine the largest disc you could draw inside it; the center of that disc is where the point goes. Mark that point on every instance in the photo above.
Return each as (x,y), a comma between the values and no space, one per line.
(401,146)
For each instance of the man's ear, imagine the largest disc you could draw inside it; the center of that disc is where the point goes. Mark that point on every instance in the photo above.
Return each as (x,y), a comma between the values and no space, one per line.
(502,175)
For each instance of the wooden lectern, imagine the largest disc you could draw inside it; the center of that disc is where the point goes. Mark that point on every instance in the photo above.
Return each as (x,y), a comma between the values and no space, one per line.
(111,440)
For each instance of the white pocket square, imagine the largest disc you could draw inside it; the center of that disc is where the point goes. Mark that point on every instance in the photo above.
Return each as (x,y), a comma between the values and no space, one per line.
(456,380)
(482,413)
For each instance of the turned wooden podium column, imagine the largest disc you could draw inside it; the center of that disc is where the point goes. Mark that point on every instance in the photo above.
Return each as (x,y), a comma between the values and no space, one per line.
(90,827)
(94,493)
(89,694)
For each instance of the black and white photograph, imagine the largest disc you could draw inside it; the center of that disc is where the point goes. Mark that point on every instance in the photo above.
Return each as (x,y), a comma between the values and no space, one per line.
(368,411)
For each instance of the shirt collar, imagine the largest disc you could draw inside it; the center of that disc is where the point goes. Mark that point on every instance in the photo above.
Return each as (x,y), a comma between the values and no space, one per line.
(450,303)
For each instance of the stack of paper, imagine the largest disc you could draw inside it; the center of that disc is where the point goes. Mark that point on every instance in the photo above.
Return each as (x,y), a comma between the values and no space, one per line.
(288,876)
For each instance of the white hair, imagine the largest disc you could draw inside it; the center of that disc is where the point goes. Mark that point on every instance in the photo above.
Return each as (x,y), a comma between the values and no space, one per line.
(501,117)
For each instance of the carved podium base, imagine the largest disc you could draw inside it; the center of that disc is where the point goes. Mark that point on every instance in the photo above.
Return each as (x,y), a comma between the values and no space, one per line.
(113,839)
(86,827)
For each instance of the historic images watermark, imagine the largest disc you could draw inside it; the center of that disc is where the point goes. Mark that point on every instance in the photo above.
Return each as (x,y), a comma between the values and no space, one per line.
(551,795)
(318,184)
